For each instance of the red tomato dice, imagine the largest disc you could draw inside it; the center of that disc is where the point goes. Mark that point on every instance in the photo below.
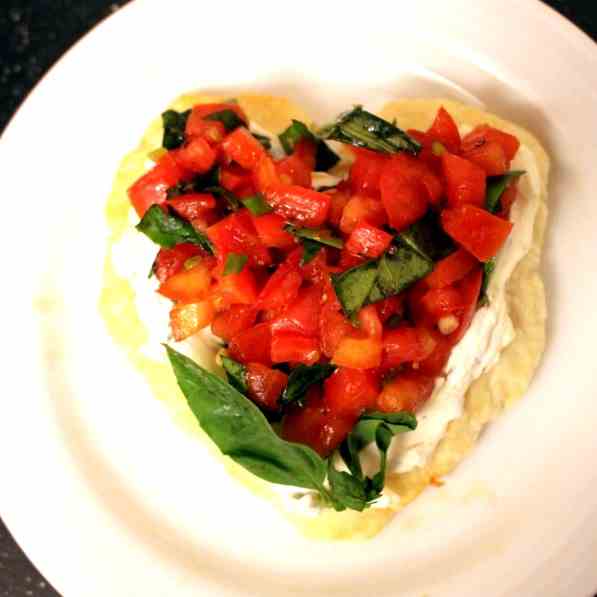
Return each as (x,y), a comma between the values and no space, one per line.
(404,202)
(188,318)
(481,233)
(350,391)
(438,302)
(408,391)
(445,131)
(196,155)
(368,240)
(358,352)
(296,169)
(292,347)
(338,201)
(484,134)
(470,289)
(333,326)
(298,204)
(360,209)
(170,261)
(465,181)
(490,157)
(241,147)
(265,385)
(281,289)
(270,229)
(193,205)
(233,320)
(451,269)
(200,111)
(393,305)
(187,286)
(252,345)
(235,289)
(369,322)
(212,131)
(266,174)
(406,344)
(302,315)
(365,172)
(233,177)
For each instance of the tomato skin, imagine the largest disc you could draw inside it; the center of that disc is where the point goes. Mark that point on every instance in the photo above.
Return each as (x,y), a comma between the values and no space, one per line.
(369,322)
(508,198)
(211,130)
(451,269)
(406,344)
(193,205)
(292,347)
(393,305)
(265,385)
(187,286)
(481,233)
(445,131)
(233,177)
(338,201)
(333,327)
(170,261)
(368,240)
(484,133)
(252,345)
(196,155)
(365,172)
(296,169)
(298,204)
(348,392)
(241,147)
(235,289)
(233,320)
(281,289)
(302,315)
(439,302)
(360,208)
(408,391)
(465,181)
(470,289)
(270,229)
(266,175)
(188,318)
(200,111)
(358,352)
(490,157)
(153,186)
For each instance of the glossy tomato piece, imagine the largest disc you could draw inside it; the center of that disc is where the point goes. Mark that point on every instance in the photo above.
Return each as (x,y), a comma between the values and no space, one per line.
(368,241)
(365,172)
(200,111)
(508,198)
(408,391)
(153,186)
(406,344)
(490,157)
(212,131)
(388,307)
(404,202)
(438,302)
(369,322)
(281,289)
(338,201)
(292,347)
(350,391)
(233,320)
(333,327)
(298,204)
(302,315)
(233,177)
(235,289)
(358,351)
(470,289)
(187,286)
(481,233)
(296,169)
(197,155)
(484,133)
(270,229)
(435,363)
(451,269)
(241,147)
(170,261)
(445,131)
(361,209)
(265,385)
(193,205)
(266,176)
(465,181)
(187,319)
(252,345)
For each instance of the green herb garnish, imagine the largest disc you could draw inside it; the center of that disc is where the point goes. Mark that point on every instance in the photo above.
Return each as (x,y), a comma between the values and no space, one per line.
(229,118)
(236,373)
(362,129)
(354,286)
(488,268)
(265,141)
(325,158)
(427,238)
(234,263)
(174,128)
(397,271)
(496,185)
(198,184)
(257,205)
(302,378)
(313,240)
(234,203)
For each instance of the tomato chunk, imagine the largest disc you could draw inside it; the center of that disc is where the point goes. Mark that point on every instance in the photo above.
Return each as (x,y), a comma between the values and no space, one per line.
(188,318)
(252,345)
(408,391)
(334,326)
(350,391)
(360,209)
(302,315)
(358,352)
(265,385)
(439,302)
(301,205)
(338,201)
(170,261)
(393,305)
(212,131)
(451,269)
(368,240)
(281,289)
(484,133)
(233,320)
(233,177)
(197,155)
(270,229)
(296,169)
(365,172)
(201,111)
(406,344)
(193,205)
(369,322)
(235,289)
(241,147)
(490,156)
(470,288)
(478,231)
(445,131)
(291,347)
(465,181)
(187,286)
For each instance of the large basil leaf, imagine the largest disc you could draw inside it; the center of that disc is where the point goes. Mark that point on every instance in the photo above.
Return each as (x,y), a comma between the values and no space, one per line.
(399,270)
(174,128)
(236,374)
(354,286)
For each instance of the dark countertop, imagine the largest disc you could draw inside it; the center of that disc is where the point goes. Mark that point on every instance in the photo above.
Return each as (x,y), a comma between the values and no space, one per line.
(33,35)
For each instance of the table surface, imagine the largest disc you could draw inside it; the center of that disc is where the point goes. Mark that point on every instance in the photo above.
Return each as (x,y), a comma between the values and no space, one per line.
(32,38)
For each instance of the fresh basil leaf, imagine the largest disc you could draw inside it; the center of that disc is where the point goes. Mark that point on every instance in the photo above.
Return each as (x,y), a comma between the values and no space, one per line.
(427,237)
(354,286)
(488,268)
(236,374)
(198,184)
(257,205)
(229,118)
(302,378)
(496,185)
(320,235)
(168,230)
(325,158)
(265,141)
(233,201)
(234,264)
(174,128)
(241,431)
(310,250)
(398,271)
(362,129)
(348,491)
(375,295)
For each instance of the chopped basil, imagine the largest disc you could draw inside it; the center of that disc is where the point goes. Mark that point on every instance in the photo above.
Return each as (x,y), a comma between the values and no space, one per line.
(313,240)
(354,286)
(325,158)
(174,128)
(302,378)
(488,268)
(399,270)
(236,374)
(427,237)
(234,263)
(198,184)
(168,230)
(362,129)
(233,201)
(257,205)
(229,118)
(496,185)
(265,141)
(310,250)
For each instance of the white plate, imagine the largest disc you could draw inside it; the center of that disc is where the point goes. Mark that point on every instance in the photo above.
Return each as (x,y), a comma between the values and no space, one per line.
(101,488)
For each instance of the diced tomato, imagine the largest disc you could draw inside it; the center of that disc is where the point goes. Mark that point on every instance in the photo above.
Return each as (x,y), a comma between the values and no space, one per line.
(490,157)
(406,344)
(439,302)
(233,177)
(434,364)
(241,147)
(170,261)
(369,322)
(200,111)
(333,326)
(368,240)
(298,204)
(296,169)
(470,288)
(465,181)
(350,391)
(302,315)
(317,270)
(212,131)
(265,385)
(233,320)
(235,289)
(365,172)
(393,305)
(236,234)
(404,202)
(426,154)
(451,269)
(291,347)
(485,134)
(188,318)
(270,229)
(338,201)
(358,352)
(197,155)
(348,260)
(445,131)
(408,391)
(362,209)
(152,187)
(281,289)
(478,231)
(266,174)
(193,206)
(187,286)
(252,345)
